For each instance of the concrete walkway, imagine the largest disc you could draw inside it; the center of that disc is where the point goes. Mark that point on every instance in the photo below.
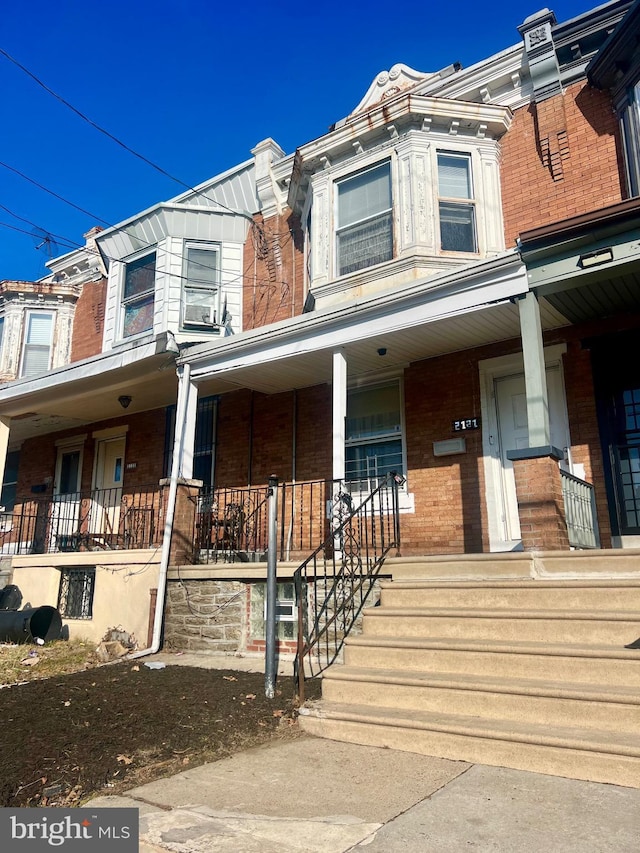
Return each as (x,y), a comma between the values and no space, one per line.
(311,794)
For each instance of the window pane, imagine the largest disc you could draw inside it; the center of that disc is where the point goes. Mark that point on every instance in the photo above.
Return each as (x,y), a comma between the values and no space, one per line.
(373,412)
(457,227)
(364,245)
(202,265)
(39,329)
(454,176)
(364,195)
(366,465)
(140,276)
(35,361)
(138,317)
(1,330)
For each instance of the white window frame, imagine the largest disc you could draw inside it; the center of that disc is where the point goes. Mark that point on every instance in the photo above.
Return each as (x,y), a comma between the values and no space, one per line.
(28,347)
(286,611)
(201,289)
(461,202)
(342,229)
(127,302)
(398,434)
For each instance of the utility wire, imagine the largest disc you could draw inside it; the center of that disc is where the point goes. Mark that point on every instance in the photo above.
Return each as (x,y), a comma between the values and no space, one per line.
(115,138)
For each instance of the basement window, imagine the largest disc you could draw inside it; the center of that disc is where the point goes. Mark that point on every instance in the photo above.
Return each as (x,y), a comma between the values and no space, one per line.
(75,597)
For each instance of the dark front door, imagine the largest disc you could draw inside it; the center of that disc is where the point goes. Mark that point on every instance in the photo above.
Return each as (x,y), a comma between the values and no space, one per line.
(617,384)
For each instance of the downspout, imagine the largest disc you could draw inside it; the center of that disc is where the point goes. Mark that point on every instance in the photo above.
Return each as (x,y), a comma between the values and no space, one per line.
(178,447)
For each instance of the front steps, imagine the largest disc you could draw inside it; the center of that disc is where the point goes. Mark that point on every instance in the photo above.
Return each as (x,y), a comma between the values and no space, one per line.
(501,668)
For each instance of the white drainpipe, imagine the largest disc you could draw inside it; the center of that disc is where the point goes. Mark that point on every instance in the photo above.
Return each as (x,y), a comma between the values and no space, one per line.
(178,446)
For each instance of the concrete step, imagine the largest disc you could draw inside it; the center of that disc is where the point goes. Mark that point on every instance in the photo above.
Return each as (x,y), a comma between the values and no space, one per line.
(615,708)
(559,626)
(460,566)
(591,754)
(604,664)
(527,594)
(621,563)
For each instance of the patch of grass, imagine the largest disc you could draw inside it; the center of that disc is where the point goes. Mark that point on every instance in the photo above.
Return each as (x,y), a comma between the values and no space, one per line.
(58,658)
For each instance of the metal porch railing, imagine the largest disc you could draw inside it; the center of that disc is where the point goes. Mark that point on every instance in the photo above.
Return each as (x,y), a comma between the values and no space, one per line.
(580,511)
(334,582)
(231,524)
(102,519)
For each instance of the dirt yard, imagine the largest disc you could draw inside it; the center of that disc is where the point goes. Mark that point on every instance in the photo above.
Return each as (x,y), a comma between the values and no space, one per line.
(105,729)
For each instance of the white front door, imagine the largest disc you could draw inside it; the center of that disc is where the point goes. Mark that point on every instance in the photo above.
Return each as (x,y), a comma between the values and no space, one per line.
(108,486)
(513,434)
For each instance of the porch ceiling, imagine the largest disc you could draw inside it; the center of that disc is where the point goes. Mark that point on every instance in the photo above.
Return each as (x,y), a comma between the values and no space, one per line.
(83,399)
(403,346)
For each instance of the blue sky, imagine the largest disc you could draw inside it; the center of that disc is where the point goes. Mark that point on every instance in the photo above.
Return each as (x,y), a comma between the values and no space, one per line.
(193,86)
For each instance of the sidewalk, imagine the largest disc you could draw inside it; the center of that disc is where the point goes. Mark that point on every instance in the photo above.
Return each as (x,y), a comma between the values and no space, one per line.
(312,795)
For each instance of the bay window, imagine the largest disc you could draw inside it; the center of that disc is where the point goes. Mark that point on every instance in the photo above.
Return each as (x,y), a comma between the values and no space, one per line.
(364,234)
(138,295)
(456,206)
(373,445)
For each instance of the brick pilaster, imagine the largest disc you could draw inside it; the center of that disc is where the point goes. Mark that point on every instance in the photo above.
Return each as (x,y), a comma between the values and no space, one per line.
(543,525)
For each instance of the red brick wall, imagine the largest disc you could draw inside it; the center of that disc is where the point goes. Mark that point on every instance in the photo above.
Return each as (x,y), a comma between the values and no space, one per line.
(273,287)
(540,504)
(560,158)
(145,446)
(270,418)
(88,323)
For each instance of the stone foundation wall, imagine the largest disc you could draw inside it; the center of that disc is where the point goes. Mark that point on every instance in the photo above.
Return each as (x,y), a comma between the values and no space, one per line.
(205,615)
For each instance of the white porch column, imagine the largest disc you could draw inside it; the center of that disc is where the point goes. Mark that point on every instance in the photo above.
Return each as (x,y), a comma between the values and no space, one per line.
(339,412)
(5,424)
(185,437)
(535,378)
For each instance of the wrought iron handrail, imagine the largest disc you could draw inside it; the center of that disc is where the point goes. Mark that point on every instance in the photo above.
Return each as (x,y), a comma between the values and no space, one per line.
(580,511)
(334,582)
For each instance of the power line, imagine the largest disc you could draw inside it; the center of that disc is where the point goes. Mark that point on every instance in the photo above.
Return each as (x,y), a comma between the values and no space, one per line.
(115,138)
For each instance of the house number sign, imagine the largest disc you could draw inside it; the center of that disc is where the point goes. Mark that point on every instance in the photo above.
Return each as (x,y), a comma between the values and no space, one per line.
(466,423)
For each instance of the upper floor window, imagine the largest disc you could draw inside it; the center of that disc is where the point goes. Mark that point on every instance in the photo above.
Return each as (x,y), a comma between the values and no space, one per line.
(456,206)
(631,136)
(1,331)
(138,295)
(201,291)
(36,349)
(373,436)
(364,235)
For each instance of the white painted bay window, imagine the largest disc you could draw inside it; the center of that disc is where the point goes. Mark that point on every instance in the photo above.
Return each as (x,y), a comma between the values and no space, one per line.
(374,441)
(456,203)
(201,291)
(36,349)
(364,235)
(138,295)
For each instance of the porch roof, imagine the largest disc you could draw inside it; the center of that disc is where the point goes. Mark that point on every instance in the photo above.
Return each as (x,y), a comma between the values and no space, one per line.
(587,267)
(471,306)
(87,391)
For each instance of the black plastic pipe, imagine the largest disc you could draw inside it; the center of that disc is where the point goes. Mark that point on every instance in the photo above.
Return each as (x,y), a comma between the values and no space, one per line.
(24,626)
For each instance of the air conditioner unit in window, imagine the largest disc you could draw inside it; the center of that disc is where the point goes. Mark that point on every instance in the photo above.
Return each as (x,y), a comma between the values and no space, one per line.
(201,308)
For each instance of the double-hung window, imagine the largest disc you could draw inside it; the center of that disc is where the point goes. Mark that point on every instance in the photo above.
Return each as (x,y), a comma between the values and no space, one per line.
(631,135)
(456,205)
(201,291)
(373,445)
(138,296)
(364,235)
(36,350)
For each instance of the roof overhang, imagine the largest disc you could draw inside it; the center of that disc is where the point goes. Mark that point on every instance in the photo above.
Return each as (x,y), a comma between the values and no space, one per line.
(147,229)
(385,332)
(87,391)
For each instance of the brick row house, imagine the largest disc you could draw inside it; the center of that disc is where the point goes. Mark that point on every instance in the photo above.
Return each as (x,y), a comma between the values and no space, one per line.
(443,286)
